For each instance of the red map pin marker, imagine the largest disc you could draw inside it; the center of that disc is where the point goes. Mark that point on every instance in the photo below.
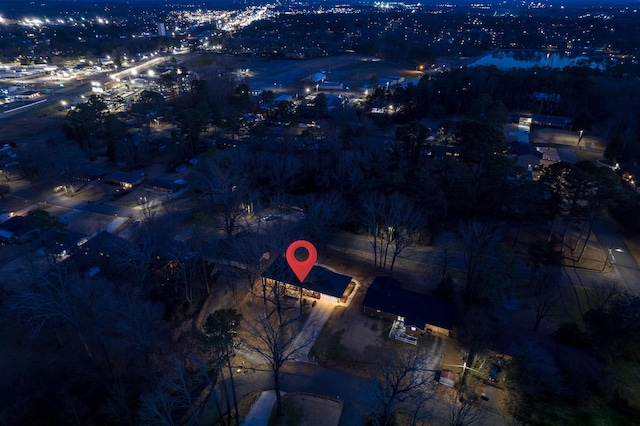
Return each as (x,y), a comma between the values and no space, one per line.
(301,268)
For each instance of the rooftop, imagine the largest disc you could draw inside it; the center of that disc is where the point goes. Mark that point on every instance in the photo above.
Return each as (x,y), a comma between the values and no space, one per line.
(320,279)
(385,294)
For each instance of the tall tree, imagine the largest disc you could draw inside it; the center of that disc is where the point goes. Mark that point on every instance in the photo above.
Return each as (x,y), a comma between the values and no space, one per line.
(545,293)
(398,381)
(220,330)
(478,239)
(274,339)
(393,224)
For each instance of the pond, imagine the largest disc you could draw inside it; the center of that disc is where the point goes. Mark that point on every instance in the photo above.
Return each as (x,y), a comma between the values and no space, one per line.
(507,59)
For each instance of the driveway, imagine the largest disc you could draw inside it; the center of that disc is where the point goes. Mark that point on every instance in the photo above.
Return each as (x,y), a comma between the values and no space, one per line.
(312,327)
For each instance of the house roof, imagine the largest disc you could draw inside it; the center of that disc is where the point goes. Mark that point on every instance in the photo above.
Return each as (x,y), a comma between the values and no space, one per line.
(18,226)
(162,183)
(320,279)
(118,176)
(385,294)
(103,247)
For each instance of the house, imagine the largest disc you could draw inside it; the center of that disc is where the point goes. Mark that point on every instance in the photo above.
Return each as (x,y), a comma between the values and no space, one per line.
(321,283)
(330,85)
(417,312)
(530,163)
(162,186)
(25,96)
(316,77)
(18,230)
(552,121)
(282,98)
(124,179)
(89,173)
(550,155)
(103,250)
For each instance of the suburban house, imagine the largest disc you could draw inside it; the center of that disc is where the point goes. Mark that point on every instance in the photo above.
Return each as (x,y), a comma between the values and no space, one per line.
(124,179)
(163,186)
(103,251)
(18,230)
(321,283)
(415,313)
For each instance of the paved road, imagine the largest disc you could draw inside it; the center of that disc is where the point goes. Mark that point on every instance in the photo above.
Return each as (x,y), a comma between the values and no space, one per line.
(625,273)
(354,392)
(28,193)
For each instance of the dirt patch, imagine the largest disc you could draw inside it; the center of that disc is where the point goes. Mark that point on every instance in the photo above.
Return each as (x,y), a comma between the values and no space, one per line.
(307,410)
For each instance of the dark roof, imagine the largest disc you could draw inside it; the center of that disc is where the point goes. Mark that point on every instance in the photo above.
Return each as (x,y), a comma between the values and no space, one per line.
(118,176)
(320,279)
(551,120)
(18,226)
(162,183)
(103,248)
(385,294)
(90,172)
(57,242)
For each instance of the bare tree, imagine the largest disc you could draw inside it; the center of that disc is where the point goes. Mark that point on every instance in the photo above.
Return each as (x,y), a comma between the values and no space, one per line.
(545,293)
(185,263)
(465,409)
(274,339)
(117,406)
(69,157)
(393,223)
(602,293)
(281,169)
(132,325)
(477,239)
(219,332)
(138,256)
(62,301)
(159,407)
(399,382)
(226,192)
(324,214)
(181,381)
(474,334)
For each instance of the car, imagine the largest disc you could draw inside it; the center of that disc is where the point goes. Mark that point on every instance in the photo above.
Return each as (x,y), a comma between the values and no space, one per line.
(271,217)
(119,192)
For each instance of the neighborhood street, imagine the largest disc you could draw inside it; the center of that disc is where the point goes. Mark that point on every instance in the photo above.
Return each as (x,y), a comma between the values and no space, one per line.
(354,391)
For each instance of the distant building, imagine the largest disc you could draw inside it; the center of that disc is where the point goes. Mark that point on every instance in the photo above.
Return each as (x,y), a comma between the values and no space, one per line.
(316,78)
(282,98)
(330,85)
(124,179)
(25,96)
(162,31)
(18,230)
(552,121)
(162,186)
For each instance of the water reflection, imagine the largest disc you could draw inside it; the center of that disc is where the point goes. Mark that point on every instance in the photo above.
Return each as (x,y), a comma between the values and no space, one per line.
(507,59)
